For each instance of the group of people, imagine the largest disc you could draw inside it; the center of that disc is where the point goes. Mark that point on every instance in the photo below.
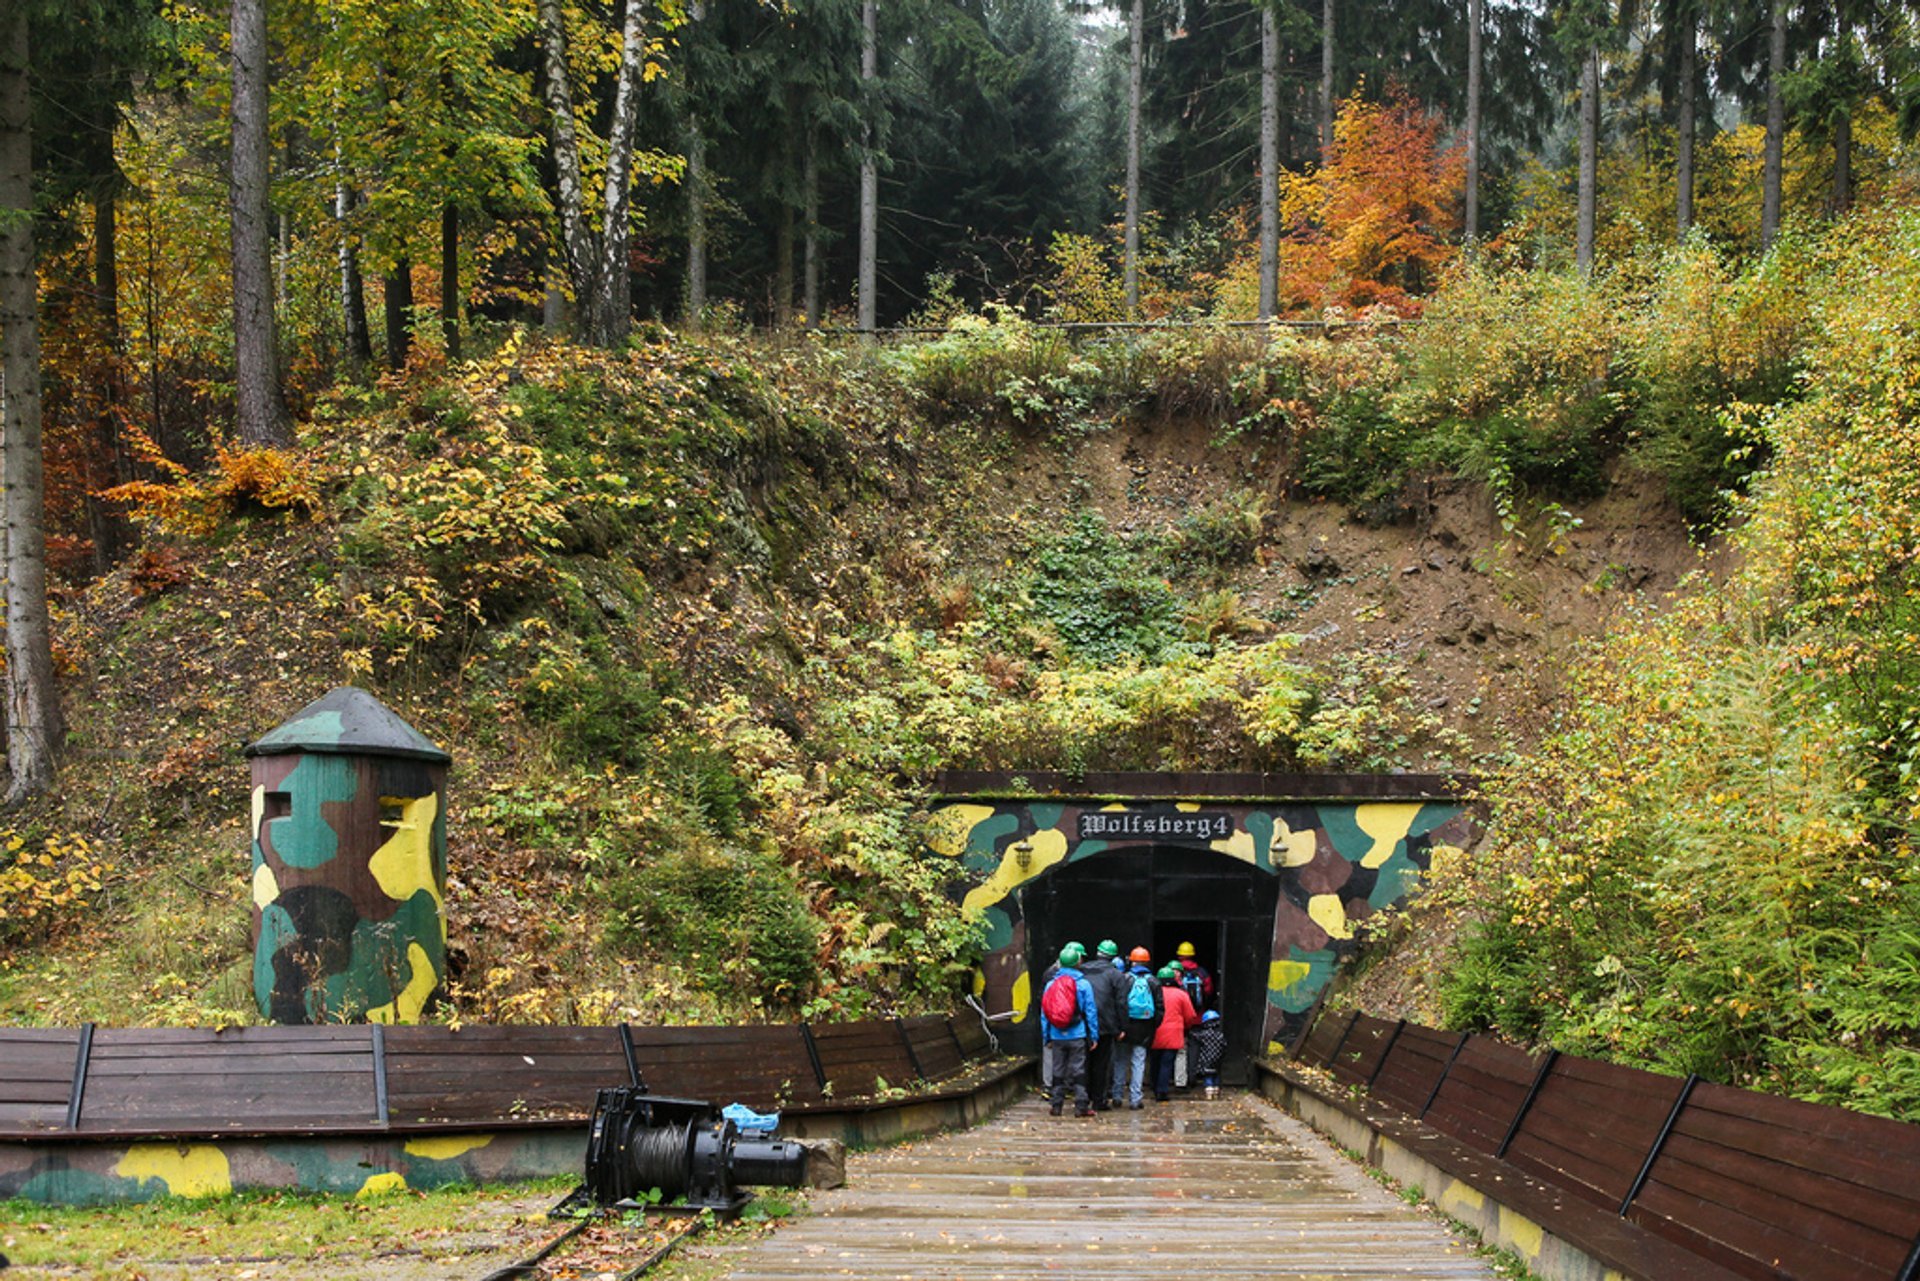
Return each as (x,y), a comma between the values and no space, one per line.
(1109,1025)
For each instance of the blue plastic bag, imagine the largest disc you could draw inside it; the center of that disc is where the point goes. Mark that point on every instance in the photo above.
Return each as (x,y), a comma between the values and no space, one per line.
(747,1121)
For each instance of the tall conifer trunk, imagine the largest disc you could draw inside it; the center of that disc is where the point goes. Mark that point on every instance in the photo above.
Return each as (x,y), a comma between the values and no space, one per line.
(450,279)
(696,180)
(108,526)
(1476,22)
(33,709)
(1589,159)
(1776,125)
(810,199)
(1688,127)
(1269,170)
(261,414)
(783,267)
(397,289)
(1130,252)
(1326,77)
(867,310)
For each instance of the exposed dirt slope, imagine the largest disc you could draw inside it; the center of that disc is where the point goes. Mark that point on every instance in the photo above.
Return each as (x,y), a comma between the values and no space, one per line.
(1478,614)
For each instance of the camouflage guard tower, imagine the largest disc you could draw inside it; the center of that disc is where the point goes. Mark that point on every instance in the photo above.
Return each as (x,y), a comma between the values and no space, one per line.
(349,865)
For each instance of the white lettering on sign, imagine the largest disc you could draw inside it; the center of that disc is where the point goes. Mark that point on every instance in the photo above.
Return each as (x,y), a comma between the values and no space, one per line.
(1108,825)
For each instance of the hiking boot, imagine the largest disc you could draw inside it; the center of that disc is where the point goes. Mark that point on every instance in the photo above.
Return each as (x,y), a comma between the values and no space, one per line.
(1053,1109)
(1085,1111)
(1135,1106)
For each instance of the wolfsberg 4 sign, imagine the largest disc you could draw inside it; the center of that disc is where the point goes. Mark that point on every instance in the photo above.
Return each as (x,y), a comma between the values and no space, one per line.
(1154,825)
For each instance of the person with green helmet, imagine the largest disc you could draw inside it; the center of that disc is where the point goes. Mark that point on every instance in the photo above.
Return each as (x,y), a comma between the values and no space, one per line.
(1107,984)
(1069,1027)
(1171,1039)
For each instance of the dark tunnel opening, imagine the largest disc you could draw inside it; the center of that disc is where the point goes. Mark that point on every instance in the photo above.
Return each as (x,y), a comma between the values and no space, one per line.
(1159,897)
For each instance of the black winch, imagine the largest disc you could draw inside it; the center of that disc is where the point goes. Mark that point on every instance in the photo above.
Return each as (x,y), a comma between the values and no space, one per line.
(688,1151)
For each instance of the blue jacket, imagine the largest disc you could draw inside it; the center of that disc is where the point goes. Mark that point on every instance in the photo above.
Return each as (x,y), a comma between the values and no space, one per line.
(1084,1028)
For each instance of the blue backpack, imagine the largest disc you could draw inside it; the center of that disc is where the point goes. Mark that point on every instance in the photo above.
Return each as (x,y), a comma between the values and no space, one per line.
(1140,997)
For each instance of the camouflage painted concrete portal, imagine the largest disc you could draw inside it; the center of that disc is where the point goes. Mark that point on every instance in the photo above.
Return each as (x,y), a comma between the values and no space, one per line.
(349,865)
(1338,862)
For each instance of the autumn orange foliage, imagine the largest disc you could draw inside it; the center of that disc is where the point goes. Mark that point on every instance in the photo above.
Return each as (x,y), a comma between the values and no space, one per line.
(1375,225)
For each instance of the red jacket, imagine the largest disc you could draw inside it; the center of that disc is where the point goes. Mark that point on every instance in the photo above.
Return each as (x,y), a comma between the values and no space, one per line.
(1180,1016)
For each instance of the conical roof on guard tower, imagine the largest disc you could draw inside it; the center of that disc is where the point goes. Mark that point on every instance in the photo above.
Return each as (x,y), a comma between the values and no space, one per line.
(352,722)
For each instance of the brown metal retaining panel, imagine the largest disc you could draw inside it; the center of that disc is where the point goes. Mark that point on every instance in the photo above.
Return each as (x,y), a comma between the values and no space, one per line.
(973,1035)
(1414,1067)
(1769,1185)
(443,1075)
(935,1052)
(1362,1050)
(141,1079)
(1328,1031)
(1150,785)
(857,1057)
(760,1066)
(36,1077)
(1482,1093)
(1761,1186)
(1592,1126)
(302,1080)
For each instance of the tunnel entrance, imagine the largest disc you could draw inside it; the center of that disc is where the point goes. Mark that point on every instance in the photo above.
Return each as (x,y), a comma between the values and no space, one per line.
(1159,897)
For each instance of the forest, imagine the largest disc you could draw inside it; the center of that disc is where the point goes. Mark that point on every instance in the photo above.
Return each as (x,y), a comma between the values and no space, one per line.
(709,420)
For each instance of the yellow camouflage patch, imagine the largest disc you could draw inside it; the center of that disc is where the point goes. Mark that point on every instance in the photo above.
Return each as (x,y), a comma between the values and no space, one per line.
(191,1170)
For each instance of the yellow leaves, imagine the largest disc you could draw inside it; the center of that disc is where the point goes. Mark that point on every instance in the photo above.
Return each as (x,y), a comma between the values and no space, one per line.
(46,875)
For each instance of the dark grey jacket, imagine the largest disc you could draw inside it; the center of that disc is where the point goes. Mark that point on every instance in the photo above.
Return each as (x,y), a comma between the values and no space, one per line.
(1109,993)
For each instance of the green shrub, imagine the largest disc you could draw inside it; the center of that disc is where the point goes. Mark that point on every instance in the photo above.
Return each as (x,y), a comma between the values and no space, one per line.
(733,917)
(1003,368)
(1222,535)
(1093,588)
(1510,379)
(599,709)
(1707,339)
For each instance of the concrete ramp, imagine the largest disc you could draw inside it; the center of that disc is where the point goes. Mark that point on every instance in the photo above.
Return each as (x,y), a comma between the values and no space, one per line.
(1228,1189)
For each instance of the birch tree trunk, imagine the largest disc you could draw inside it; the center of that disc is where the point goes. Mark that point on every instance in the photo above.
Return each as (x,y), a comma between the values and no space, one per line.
(1269,168)
(810,185)
(865,304)
(1130,252)
(1589,159)
(614,313)
(1776,126)
(261,414)
(1476,21)
(576,239)
(1688,126)
(33,709)
(353,292)
(1326,77)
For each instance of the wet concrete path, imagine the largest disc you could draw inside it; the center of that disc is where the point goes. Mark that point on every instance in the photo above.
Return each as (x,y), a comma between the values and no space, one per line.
(1232,1188)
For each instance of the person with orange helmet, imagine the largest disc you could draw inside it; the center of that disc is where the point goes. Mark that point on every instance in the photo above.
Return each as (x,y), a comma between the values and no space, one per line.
(1142,1008)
